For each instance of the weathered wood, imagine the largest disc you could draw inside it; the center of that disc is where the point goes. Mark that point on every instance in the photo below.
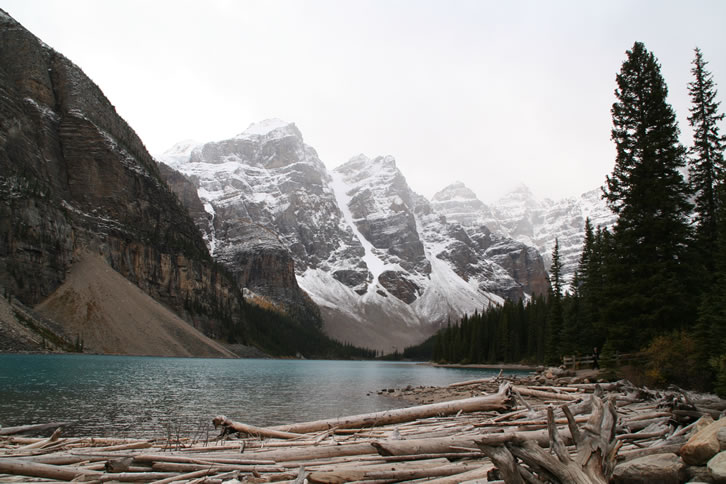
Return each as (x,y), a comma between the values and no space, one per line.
(593,463)
(220,467)
(470,382)
(230,425)
(183,477)
(499,401)
(546,395)
(505,462)
(35,469)
(137,476)
(44,443)
(348,475)
(316,452)
(479,473)
(207,459)
(24,429)
(462,444)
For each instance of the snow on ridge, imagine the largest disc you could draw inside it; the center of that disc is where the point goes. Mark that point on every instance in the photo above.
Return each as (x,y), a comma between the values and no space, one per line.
(263,128)
(179,153)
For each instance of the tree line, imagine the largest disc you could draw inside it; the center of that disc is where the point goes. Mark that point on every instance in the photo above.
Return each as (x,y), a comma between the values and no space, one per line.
(653,283)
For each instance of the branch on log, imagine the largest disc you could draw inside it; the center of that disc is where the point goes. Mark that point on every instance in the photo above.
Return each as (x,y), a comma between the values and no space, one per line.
(230,426)
(593,463)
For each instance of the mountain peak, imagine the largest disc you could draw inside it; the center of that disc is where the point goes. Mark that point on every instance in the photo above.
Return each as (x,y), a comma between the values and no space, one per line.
(455,191)
(179,153)
(269,127)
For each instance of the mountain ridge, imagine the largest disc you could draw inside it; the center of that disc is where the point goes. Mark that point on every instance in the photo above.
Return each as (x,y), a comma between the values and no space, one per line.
(365,246)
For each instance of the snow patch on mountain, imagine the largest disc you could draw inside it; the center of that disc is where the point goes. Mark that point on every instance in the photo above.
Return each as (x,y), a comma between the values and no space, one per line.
(269,127)
(376,266)
(521,216)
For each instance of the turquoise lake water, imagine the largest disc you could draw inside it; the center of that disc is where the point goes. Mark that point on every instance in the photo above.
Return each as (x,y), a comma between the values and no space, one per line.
(147,396)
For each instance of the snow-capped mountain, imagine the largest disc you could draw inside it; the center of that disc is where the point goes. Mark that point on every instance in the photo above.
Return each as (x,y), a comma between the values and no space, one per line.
(382,265)
(535,222)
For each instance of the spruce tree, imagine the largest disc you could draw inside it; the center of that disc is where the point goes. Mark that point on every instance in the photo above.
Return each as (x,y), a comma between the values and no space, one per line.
(646,293)
(584,285)
(706,163)
(555,312)
(711,324)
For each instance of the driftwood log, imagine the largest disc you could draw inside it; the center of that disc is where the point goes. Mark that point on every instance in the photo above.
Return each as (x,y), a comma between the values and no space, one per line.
(523,460)
(232,426)
(500,401)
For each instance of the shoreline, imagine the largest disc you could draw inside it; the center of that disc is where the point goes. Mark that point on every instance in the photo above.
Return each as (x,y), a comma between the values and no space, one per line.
(448,442)
(485,366)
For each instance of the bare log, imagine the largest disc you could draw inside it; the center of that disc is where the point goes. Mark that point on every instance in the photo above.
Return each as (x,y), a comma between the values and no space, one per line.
(479,473)
(348,475)
(24,429)
(470,382)
(184,477)
(449,445)
(230,425)
(546,395)
(177,467)
(34,469)
(499,402)
(316,452)
(505,462)
(43,443)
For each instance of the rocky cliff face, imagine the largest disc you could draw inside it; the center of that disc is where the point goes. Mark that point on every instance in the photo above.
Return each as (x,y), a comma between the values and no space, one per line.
(519,215)
(75,177)
(385,269)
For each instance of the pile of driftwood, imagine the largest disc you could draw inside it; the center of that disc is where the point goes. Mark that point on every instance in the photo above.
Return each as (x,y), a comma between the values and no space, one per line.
(520,433)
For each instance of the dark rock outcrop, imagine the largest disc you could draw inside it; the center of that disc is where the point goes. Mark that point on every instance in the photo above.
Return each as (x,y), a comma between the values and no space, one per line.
(75,177)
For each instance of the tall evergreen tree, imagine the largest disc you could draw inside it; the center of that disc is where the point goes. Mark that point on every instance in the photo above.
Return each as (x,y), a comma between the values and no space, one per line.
(706,163)
(585,288)
(650,196)
(555,314)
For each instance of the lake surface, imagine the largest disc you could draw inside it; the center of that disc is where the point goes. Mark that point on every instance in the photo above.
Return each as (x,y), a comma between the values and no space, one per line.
(147,397)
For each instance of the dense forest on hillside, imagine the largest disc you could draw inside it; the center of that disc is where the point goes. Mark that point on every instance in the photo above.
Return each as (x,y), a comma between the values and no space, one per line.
(654,284)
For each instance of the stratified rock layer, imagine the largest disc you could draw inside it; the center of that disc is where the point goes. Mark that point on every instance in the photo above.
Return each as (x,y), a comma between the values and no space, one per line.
(74,177)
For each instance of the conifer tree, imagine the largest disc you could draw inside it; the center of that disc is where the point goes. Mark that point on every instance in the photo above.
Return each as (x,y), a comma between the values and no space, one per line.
(711,324)
(590,286)
(706,163)
(555,312)
(646,292)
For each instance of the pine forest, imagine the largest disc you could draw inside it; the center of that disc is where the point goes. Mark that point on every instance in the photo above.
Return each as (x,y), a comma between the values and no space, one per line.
(649,293)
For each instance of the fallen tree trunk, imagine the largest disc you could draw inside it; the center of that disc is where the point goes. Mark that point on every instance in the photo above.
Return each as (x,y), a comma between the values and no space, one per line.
(499,402)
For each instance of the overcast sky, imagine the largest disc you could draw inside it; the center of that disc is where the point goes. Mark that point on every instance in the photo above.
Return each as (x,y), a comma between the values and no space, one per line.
(492,93)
